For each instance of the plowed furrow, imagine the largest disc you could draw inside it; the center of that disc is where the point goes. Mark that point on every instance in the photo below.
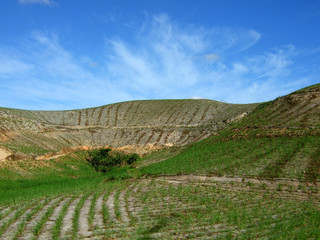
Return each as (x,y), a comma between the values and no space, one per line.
(116,115)
(13,216)
(79,118)
(160,136)
(204,114)
(92,210)
(11,231)
(98,217)
(193,232)
(118,232)
(123,207)
(127,112)
(58,223)
(67,220)
(86,118)
(107,116)
(76,220)
(84,228)
(179,117)
(151,134)
(140,137)
(111,207)
(128,198)
(23,224)
(28,233)
(134,111)
(98,119)
(131,200)
(46,216)
(5,212)
(183,138)
(174,112)
(105,209)
(48,226)
(167,136)
(167,211)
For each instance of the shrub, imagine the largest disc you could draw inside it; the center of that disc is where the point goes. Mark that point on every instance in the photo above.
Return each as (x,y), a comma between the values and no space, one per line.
(104,159)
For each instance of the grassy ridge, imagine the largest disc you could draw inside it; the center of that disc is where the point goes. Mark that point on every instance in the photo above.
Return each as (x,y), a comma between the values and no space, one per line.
(279,139)
(263,156)
(300,109)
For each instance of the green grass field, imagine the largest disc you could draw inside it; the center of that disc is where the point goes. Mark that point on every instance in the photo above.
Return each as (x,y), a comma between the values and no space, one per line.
(65,198)
(264,156)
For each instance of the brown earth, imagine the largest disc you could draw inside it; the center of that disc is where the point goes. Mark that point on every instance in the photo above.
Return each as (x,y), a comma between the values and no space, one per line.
(4,153)
(138,125)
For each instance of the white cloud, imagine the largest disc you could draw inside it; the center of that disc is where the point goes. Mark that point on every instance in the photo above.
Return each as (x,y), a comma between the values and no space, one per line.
(163,61)
(12,66)
(196,97)
(42,2)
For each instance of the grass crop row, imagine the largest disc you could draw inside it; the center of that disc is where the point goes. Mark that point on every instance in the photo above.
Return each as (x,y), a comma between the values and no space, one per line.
(244,215)
(75,220)
(219,156)
(17,214)
(29,216)
(105,211)
(117,205)
(38,227)
(58,223)
(92,210)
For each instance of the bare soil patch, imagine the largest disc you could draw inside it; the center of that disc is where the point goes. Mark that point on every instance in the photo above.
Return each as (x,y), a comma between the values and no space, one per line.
(4,153)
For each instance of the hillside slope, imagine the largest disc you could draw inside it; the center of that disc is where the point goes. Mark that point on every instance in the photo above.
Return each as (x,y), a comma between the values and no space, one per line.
(278,139)
(300,109)
(136,123)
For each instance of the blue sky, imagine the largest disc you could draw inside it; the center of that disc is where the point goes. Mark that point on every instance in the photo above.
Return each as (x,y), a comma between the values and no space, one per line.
(57,55)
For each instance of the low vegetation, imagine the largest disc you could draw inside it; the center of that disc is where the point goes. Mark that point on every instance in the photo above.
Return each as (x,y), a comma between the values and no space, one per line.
(164,209)
(256,179)
(103,160)
(264,156)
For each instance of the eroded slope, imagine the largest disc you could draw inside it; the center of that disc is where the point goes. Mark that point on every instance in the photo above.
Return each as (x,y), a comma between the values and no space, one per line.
(136,123)
(300,109)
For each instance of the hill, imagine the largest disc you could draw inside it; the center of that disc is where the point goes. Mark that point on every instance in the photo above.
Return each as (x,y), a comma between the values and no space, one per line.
(137,124)
(278,139)
(300,109)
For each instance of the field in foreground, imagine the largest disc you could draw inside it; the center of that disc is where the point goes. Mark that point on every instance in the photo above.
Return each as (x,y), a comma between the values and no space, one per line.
(65,198)
(168,208)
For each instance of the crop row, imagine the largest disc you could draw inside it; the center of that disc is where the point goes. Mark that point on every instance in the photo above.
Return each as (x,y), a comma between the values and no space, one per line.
(167,210)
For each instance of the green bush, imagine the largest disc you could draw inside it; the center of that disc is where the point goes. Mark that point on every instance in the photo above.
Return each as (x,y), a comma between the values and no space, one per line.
(104,159)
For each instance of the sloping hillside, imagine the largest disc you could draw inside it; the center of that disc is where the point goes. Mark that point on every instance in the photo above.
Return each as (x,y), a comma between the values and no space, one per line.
(136,123)
(300,109)
(279,139)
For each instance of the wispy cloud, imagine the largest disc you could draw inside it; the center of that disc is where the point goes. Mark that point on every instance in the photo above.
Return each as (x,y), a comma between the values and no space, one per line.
(165,60)
(42,2)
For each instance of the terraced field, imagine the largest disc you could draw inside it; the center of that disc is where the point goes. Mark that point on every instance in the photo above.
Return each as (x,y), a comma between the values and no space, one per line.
(169,208)
(137,123)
